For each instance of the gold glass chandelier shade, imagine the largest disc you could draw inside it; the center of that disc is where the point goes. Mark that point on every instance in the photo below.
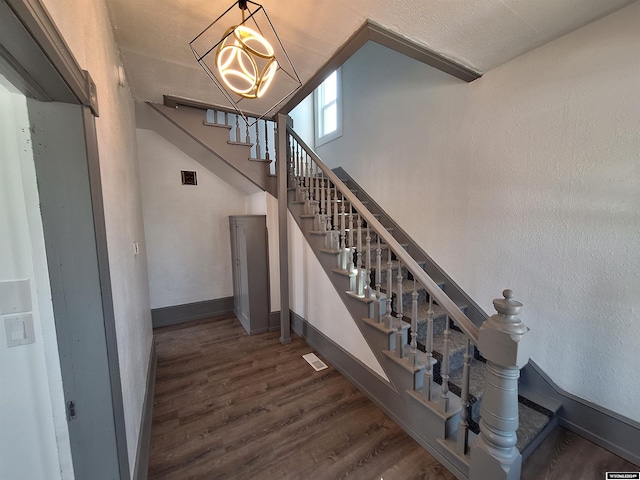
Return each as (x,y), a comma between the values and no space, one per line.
(246,62)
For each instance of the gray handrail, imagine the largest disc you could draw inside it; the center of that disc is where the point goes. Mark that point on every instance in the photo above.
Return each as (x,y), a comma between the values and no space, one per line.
(454,312)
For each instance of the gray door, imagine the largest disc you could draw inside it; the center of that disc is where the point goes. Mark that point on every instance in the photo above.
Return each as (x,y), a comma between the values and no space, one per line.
(88,375)
(235,266)
(243,283)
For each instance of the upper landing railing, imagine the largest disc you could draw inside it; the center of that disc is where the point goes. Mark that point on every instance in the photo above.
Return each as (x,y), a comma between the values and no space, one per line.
(257,133)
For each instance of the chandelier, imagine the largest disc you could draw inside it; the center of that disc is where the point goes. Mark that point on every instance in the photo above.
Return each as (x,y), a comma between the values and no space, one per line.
(246,60)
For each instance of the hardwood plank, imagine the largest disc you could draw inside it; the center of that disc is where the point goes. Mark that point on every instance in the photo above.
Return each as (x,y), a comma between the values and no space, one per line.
(567,456)
(233,406)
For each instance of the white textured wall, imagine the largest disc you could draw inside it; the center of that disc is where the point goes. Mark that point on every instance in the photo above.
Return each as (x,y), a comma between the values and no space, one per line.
(303,120)
(34,439)
(187,227)
(86,28)
(314,298)
(527,178)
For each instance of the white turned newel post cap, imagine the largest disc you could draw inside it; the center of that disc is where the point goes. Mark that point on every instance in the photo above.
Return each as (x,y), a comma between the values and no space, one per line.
(507,306)
(502,337)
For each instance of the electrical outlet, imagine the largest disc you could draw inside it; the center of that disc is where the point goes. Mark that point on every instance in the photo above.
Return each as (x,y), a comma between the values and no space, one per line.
(136,248)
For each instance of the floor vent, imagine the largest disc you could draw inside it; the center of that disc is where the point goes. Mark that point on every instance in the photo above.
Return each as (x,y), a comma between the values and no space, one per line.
(314,361)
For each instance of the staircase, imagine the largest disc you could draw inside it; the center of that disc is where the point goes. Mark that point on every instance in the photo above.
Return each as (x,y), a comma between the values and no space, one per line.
(535,420)
(433,342)
(424,341)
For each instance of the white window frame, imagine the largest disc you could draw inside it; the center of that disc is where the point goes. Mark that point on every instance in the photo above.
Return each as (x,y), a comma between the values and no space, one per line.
(320,137)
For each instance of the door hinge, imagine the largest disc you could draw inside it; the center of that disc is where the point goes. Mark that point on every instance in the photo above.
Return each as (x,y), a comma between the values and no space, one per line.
(71,411)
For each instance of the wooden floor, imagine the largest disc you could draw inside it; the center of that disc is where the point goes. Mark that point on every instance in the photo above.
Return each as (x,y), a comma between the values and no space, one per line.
(232,406)
(567,456)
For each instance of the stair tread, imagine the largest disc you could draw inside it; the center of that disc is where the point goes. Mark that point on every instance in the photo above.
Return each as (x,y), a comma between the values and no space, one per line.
(530,424)
(219,125)
(477,371)
(407,285)
(345,273)
(394,264)
(330,251)
(457,342)
(346,214)
(384,246)
(438,311)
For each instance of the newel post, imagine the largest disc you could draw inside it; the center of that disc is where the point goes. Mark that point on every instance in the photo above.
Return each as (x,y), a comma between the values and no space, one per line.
(502,342)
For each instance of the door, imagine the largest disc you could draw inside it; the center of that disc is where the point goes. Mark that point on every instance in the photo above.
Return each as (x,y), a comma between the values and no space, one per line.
(235,264)
(243,280)
(90,372)
(67,172)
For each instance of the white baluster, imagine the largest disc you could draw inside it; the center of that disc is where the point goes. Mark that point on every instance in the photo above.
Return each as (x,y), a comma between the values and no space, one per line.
(378,281)
(258,148)
(316,179)
(414,325)
(327,215)
(300,178)
(359,282)
(367,283)
(303,172)
(323,223)
(343,238)
(266,140)
(427,389)
(237,128)
(463,426)
(444,369)
(308,184)
(335,238)
(350,265)
(389,290)
(399,339)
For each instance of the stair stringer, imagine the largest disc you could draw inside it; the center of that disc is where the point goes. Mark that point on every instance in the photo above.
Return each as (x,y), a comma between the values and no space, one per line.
(209,145)
(425,425)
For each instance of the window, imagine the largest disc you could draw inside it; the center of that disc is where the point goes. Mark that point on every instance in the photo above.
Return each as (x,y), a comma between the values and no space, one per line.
(328,109)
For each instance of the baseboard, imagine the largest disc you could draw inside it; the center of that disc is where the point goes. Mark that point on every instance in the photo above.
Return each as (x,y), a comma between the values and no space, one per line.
(377,389)
(605,428)
(274,321)
(162,317)
(144,440)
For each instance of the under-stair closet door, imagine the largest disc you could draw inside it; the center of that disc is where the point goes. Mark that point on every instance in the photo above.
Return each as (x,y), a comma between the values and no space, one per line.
(250,271)
(243,274)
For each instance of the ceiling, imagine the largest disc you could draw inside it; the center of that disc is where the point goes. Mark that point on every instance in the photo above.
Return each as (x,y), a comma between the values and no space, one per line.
(153,36)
